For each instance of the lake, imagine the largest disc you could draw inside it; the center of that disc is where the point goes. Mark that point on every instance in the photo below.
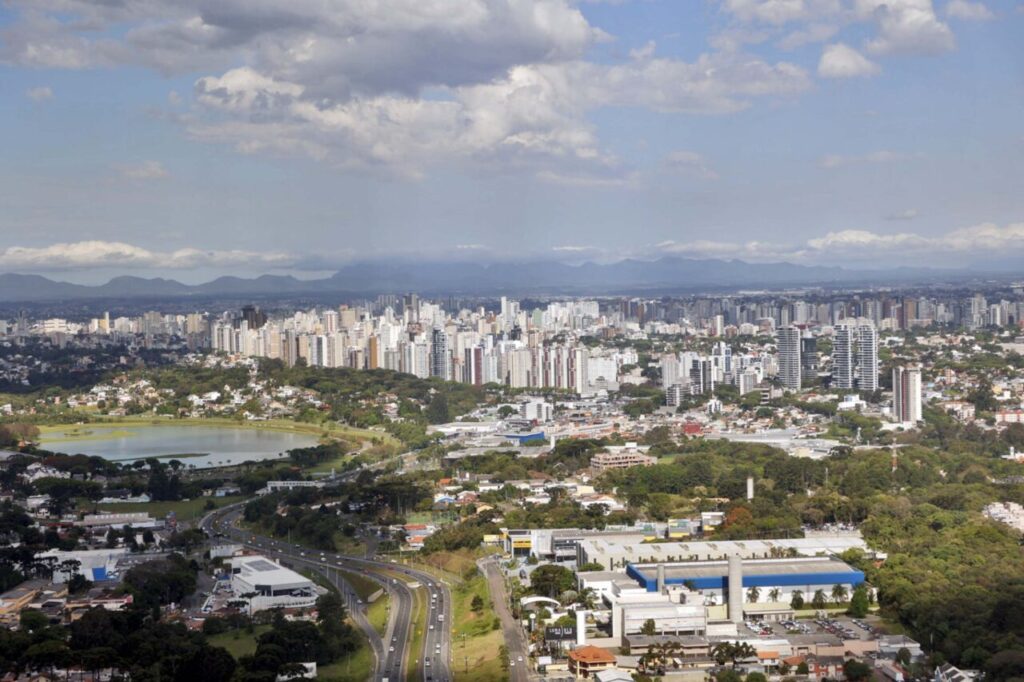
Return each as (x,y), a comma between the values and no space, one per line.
(215,445)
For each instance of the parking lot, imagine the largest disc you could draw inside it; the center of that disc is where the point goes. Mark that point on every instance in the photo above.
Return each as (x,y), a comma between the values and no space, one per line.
(843,626)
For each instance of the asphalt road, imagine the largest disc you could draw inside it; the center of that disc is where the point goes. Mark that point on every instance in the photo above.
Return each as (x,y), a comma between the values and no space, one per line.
(515,641)
(390,652)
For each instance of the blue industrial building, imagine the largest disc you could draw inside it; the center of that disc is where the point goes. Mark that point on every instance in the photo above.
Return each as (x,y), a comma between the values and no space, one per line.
(805,574)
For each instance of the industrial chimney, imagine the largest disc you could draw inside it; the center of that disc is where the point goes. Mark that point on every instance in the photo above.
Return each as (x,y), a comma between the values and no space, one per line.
(735,589)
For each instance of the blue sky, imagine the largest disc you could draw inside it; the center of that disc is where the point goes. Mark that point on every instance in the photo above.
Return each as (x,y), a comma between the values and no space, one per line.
(191,138)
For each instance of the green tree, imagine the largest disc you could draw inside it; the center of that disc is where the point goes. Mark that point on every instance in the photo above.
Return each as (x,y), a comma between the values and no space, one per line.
(859,602)
(649,628)
(855,671)
(551,580)
(437,410)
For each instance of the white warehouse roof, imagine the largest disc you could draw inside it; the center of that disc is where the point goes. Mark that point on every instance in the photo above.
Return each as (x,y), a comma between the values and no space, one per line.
(260,571)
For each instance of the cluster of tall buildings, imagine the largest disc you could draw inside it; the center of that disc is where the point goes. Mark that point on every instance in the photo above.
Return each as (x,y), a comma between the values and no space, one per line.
(854,356)
(690,373)
(538,349)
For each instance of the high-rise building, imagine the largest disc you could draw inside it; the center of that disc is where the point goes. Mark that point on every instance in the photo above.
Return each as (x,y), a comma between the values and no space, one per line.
(253,316)
(702,378)
(906,394)
(808,358)
(669,370)
(843,357)
(789,357)
(867,358)
(439,358)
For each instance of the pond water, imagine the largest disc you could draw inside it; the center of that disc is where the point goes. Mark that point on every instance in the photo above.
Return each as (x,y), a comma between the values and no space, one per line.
(198,446)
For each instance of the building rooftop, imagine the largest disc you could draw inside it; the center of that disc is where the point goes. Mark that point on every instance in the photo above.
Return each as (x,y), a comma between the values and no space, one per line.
(260,570)
(715,569)
(591,654)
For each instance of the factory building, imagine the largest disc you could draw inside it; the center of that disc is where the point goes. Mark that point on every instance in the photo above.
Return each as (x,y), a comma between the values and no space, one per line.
(730,582)
(616,553)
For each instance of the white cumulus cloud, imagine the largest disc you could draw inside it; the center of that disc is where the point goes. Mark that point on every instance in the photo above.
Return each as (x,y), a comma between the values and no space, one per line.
(101,254)
(690,163)
(842,61)
(145,170)
(40,94)
(880,156)
(968,11)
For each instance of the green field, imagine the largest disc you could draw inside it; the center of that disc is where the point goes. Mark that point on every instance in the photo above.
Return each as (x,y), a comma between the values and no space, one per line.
(185,510)
(414,664)
(363,586)
(474,636)
(239,642)
(377,614)
(478,660)
(356,667)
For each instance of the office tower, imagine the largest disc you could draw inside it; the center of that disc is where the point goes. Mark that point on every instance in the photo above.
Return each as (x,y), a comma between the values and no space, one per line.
(867,358)
(411,307)
(789,357)
(908,313)
(808,357)
(253,316)
(702,377)
(843,357)
(906,394)
(721,354)
(439,360)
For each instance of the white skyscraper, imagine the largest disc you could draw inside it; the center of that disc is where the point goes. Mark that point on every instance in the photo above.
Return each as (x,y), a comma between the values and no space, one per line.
(669,370)
(867,358)
(843,357)
(906,394)
(789,357)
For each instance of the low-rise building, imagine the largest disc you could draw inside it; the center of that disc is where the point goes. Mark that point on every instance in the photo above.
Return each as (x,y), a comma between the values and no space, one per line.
(266,584)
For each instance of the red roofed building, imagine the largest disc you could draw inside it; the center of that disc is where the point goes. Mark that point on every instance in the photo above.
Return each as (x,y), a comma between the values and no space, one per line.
(587,660)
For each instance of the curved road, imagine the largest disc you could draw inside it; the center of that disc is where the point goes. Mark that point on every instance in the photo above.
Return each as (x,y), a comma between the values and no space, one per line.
(432,662)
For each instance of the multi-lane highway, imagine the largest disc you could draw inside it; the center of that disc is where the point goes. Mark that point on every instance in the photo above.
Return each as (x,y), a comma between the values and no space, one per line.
(393,659)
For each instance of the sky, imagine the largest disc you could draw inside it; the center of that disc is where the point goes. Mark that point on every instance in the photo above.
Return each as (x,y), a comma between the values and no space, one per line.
(194,138)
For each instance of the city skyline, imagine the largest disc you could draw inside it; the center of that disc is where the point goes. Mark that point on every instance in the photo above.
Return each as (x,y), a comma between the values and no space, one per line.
(209,138)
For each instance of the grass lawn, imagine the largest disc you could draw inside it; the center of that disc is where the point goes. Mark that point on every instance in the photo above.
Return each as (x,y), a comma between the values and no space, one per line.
(184,509)
(478,661)
(239,642)
(356,667)
(474,635)
(363,586)
(377,614)
(349,546)
(452,566)
(414,664)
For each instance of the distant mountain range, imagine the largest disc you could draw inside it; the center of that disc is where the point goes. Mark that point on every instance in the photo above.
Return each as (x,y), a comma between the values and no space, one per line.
(665,275)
